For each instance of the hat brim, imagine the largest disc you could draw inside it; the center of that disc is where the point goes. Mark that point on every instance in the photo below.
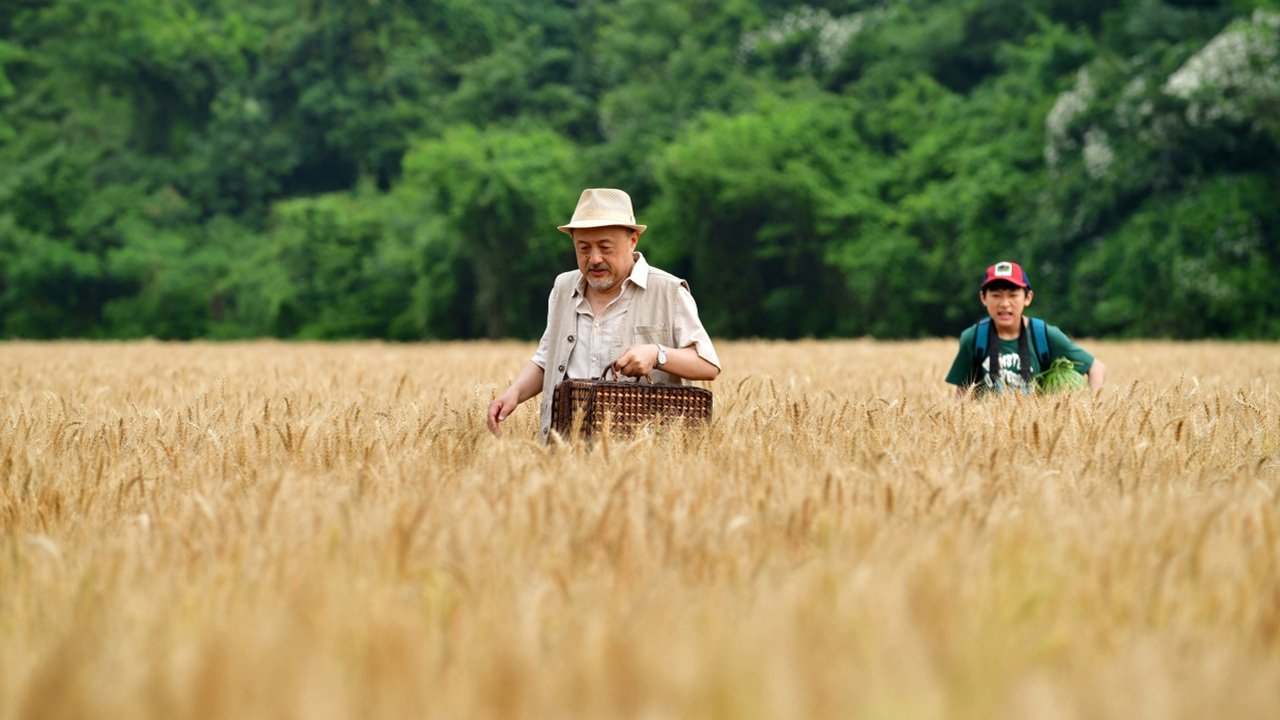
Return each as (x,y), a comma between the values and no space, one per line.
(582,224)
(1011,281)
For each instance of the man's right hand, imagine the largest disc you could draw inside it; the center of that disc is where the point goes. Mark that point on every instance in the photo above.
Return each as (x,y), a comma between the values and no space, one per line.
(526,385)
(500,409)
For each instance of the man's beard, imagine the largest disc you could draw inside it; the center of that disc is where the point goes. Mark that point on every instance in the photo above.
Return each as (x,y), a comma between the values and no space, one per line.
(602,284)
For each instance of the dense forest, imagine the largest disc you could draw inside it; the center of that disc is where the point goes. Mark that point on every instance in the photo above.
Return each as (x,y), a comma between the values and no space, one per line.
(396,168)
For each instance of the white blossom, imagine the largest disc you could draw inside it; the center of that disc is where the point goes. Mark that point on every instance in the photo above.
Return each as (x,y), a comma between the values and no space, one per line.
(1238,239)
(1231,72)
(831,35)
(1098,154)
(1069,105)
(1194,275)
(1135,107)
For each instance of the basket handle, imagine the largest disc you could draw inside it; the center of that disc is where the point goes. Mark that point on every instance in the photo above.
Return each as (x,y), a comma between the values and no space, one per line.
(605,375)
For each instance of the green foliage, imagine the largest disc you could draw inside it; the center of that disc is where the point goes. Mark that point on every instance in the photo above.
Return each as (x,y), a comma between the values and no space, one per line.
(496,198)
(340,278)
(1203,260)
(1161,210)
(50,289)
(298,168)
(661,66)
(167,296)
(747,211)
(1060,376)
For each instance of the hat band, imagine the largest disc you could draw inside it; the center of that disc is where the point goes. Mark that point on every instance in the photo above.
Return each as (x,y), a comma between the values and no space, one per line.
(591,214)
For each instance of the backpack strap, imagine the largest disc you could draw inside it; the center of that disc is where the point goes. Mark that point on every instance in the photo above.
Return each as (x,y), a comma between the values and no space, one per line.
(1040,343)
(982,349)
(980,339)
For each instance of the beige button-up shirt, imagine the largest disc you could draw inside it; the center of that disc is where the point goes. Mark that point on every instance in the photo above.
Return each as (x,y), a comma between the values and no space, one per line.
(592,352)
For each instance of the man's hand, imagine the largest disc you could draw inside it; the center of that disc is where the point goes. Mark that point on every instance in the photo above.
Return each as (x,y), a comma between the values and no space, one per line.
(499,410)
(640,360)
(637,360)
(528,384)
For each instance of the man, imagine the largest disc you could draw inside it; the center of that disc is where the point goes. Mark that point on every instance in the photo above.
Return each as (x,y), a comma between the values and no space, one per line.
(615,309)
(1007,349)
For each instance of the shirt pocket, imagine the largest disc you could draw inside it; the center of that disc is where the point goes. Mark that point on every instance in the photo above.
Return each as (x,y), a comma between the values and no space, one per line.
(659,333)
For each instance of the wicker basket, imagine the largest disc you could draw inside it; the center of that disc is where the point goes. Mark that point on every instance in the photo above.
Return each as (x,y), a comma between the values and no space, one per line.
(589,406)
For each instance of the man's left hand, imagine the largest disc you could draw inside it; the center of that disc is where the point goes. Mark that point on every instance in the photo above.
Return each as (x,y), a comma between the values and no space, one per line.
(637,360)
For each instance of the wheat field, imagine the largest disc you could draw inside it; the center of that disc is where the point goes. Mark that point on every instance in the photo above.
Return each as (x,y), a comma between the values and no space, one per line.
(275,530)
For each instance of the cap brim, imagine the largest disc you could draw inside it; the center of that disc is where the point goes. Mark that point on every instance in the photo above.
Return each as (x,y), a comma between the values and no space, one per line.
(582,224)
(1011,281)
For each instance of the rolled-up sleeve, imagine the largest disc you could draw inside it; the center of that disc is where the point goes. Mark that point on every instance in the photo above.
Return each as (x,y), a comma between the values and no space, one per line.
(688,328)
(540,355)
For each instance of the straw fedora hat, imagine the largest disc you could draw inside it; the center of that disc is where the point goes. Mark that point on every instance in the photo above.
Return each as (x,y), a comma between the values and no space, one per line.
(603,207)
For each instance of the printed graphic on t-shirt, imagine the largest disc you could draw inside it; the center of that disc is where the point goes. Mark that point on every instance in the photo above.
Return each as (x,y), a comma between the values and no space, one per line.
(1010,371)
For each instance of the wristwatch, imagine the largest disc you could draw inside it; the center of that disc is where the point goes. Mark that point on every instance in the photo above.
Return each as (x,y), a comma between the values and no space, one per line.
(662,356)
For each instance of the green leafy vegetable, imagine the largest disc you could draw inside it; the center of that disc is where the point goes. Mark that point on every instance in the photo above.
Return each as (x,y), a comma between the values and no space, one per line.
(1061,376)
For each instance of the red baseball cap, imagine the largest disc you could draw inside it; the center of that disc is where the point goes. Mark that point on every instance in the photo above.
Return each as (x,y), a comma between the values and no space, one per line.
(1010,272)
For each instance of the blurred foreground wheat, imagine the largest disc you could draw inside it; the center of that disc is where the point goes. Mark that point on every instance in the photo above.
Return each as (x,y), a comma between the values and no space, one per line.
(274,530)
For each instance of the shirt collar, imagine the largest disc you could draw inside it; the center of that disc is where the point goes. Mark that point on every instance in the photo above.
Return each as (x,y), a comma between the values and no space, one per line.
(639,274)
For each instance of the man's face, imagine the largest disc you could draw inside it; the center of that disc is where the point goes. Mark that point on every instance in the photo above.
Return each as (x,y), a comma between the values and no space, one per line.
(1005,305)
(604,255)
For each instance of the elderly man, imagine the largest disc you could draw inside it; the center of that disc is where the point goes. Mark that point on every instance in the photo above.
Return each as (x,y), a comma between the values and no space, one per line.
(615,309)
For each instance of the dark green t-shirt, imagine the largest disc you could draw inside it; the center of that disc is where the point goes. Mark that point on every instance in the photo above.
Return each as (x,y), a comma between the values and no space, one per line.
(965,372)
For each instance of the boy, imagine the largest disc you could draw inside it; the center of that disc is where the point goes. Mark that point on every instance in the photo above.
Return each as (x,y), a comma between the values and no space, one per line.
(1017,347)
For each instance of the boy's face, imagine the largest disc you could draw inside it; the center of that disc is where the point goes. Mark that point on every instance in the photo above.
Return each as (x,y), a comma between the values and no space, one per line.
(1005,304)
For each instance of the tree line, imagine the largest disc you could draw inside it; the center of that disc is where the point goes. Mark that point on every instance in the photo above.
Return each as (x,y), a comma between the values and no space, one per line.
(396,169)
